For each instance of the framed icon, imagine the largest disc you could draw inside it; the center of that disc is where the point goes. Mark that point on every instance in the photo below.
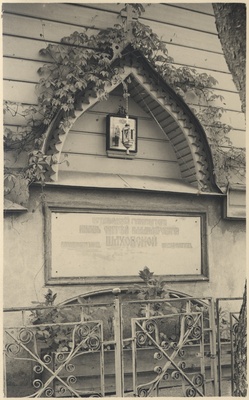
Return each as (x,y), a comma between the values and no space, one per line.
(121,134)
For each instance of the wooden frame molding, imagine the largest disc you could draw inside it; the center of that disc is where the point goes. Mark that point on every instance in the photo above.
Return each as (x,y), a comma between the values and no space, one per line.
(74,214)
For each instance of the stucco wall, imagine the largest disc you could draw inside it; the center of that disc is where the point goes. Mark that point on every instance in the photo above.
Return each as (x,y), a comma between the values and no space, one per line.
(25,253)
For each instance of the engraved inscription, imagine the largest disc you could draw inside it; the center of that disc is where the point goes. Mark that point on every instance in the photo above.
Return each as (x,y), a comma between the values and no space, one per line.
(85,244)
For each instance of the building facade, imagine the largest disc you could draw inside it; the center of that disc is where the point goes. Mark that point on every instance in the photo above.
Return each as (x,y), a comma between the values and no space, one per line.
(108,210)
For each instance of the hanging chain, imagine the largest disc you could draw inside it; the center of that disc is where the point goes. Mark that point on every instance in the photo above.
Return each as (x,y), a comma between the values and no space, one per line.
(126,97)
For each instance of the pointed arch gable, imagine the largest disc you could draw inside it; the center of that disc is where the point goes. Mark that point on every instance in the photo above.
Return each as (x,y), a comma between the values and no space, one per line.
(156,98)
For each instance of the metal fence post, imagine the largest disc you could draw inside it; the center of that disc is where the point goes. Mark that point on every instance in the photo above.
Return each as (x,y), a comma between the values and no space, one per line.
(118,331)
(213,350)
(218,346)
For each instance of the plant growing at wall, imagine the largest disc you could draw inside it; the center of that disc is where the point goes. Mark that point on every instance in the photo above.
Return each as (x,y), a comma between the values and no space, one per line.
(47,319)
(81,66)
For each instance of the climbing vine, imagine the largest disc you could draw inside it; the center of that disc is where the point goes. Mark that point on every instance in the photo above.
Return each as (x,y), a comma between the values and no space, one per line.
(81,65)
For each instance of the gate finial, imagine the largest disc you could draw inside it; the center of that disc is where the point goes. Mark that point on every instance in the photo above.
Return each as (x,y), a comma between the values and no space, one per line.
(116,291)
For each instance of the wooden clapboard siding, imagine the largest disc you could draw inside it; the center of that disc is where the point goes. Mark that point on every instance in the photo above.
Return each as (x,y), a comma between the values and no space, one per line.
(181,55)
(238,138)
(91,143)
(53,31)
(112,103)
(233,118)
(99,164)
(27,70)
(96,123)
(50,31)
(41,30)
(15,49)
(188,30)
(17,91)
(66,13)
(203,8)
(24,92)
(164,13)
(100,13)
(197,58)
(49,12)
(229,102)
(86,147)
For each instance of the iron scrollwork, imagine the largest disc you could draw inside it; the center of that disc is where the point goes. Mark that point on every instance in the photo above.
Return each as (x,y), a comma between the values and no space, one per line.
(171,354)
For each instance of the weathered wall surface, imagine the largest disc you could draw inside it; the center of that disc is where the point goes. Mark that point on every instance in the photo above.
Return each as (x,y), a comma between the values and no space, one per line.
(190,34)
(187,29)
(25,253)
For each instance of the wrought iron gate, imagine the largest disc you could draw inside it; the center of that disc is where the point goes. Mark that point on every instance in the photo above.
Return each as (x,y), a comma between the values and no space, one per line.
(123,348)
(174,354)
(227,323)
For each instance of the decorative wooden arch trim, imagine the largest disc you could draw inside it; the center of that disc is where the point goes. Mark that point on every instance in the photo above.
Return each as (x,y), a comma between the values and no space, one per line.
(188,140)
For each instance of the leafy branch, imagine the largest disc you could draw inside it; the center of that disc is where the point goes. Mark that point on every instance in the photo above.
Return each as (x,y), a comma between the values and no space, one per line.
(82,65)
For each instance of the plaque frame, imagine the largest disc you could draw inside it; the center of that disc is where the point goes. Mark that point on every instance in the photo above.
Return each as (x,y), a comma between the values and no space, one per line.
(120,280)
(114,145)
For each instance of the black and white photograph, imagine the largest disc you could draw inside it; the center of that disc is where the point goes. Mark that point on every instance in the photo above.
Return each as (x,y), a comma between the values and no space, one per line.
(121,133)
(124,228)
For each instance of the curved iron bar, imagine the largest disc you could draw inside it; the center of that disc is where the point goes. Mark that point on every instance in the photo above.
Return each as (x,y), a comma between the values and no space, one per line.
(153,323)
(69,358)
(182,341)
(168,363)
(54,374)
(21,341)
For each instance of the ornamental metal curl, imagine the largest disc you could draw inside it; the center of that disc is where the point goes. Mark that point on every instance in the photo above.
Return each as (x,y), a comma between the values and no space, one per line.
(12,349)
(38,369)
(198,380)
(37,383)
(49,392)
(25,340)
(189,327)
(83,331)
(235,328)
(182,365)
(93,342)
(158,356)
(70,367)
(175,375)
(190,392)
(189,319)
(165,345)
(142,392)
(150,326)
(71,379)
(61,389)
(196,332)
(166,376)
(158,369)
(60,357)
(47,359)
(141,338)
(25,335)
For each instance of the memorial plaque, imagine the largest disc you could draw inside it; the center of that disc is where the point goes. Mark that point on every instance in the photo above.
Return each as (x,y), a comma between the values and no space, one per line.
(119,245)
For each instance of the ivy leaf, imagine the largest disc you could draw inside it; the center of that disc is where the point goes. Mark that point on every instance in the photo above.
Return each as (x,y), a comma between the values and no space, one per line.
(43,52)
(146,275)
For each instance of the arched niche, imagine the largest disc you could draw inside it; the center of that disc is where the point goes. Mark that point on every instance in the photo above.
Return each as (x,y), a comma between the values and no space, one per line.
(169,113)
